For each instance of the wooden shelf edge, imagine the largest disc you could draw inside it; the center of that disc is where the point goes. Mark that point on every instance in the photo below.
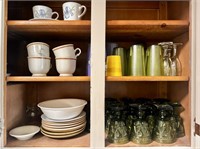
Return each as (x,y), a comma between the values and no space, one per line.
(148,78)
(48,22)
(47,79)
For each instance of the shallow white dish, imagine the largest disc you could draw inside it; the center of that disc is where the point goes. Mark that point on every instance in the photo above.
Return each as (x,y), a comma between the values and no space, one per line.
(24,132)
(61,109)
(40,19)
(79,117)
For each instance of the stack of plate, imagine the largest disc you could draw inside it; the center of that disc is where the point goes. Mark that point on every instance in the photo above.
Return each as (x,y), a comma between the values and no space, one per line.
(63,128)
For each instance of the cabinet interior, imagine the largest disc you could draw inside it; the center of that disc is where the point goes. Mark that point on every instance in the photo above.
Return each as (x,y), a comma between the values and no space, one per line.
(19,95)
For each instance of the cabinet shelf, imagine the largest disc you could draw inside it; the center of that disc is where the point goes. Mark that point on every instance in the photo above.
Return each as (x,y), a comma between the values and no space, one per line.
(47,79)
(87,78)
(82,140)
(131,29)
(148,78)
(146,30)
(179,142)
(76,29)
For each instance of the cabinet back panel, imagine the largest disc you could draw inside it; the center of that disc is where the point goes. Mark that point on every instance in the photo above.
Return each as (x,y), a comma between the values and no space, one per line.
(135,90)
(145,10)
(22,10)
(122,10)
(178,10)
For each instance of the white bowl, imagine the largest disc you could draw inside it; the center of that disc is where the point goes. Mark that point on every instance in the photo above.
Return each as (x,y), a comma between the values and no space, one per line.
(62,109)
(65,66)
(39,66)
(24,132)
(66,51)
(38,49)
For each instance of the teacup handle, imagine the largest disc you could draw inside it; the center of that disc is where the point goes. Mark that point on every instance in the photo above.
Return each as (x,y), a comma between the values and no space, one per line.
(57,15)
(84,11)
(79,51)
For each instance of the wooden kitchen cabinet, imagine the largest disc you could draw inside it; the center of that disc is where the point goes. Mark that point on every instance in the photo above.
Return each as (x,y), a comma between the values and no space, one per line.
(122,22)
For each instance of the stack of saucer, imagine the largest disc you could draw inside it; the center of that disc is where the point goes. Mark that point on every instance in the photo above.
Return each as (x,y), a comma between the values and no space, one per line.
(63,128)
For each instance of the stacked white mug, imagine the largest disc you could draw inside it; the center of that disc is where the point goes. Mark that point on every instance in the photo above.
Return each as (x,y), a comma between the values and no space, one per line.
(66,56)
(38,58)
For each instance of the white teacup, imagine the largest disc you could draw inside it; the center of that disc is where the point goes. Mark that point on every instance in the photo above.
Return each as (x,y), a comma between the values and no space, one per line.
(38,49)
(66,51)
(43,12)
(73,11)
(39,66)
(66,66)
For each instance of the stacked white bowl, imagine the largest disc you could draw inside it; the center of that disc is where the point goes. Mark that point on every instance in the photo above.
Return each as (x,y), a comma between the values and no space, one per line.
(63,118)
(38,58)
(66,57)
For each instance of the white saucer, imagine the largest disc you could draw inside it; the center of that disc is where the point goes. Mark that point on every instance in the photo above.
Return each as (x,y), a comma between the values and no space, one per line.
(39,19)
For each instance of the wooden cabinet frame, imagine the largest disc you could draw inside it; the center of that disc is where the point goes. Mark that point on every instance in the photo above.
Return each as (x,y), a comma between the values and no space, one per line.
(97,138)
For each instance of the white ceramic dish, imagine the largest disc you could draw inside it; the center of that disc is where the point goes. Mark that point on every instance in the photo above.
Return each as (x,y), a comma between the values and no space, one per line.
(38,19)
(62,125)
(79,117)
(66,51)
(39,66)
(69,129)
(24,132)
(62,132)
(65,66)
(62,136)
(61,109)
(38,49)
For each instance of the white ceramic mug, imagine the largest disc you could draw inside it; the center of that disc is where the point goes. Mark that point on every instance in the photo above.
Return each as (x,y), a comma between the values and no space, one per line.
(39,66)
(38,49)
(66,51)
(65,66)
(73,11)
(43,12)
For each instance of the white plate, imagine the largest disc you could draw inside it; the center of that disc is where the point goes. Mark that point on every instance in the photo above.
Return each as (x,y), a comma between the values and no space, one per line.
(61,136)
(24,132)
(45,118)
(40,19)
(67,125)
(62,133)
(64,129)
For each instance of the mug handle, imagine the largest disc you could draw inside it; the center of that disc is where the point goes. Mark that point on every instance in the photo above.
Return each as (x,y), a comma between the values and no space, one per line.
(84,11)
(57,15)
(79,51)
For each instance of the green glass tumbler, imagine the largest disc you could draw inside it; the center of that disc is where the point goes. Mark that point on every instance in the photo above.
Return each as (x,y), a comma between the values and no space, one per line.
(154,60)
(136,61)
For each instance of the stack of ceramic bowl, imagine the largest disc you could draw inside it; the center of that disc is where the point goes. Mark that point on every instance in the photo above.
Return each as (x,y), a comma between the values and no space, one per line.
(38,58)
(66,57)
(63,118)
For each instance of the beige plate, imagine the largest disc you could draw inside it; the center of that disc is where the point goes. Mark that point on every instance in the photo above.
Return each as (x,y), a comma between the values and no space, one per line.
(63,126)
(62,136)
(62,133)
(64,129)
(63,123)
(44,118)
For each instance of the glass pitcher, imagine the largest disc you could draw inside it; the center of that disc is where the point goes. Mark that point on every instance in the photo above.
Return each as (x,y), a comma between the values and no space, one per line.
(176,68)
